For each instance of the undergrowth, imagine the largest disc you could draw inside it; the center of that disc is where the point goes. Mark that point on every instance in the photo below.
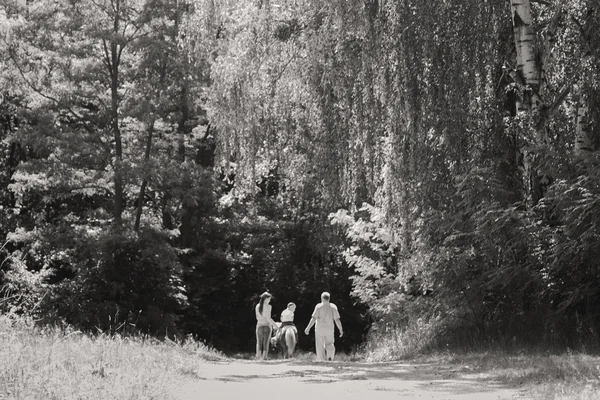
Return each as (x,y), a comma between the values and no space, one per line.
(545,374)
(61,363)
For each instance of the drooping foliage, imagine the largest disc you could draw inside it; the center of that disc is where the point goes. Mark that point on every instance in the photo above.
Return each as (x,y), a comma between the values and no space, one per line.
(407,117)
(164,162)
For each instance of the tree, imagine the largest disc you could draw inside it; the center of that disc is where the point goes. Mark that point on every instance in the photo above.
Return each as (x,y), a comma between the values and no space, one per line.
(100,99)
(450,119)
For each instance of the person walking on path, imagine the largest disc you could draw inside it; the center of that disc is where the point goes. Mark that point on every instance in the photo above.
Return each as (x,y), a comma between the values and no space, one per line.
(264,324)
(325,316)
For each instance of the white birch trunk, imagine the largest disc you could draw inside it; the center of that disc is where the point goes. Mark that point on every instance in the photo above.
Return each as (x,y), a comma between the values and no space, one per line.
(583,143)
(526,59)
(529,73)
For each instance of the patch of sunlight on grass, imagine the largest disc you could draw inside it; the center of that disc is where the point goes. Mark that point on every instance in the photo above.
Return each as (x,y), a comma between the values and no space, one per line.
(549,376)
(55,363)
(567,391)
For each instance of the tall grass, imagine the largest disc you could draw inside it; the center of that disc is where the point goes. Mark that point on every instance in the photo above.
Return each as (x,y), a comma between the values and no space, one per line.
(59,363)
(547,374)
(419,337)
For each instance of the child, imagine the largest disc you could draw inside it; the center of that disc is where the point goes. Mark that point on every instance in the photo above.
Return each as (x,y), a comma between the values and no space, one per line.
(287,319)
(287,316)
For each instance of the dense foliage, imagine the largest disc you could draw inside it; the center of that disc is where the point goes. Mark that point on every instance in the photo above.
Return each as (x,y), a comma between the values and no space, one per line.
(465,188)
(164,162)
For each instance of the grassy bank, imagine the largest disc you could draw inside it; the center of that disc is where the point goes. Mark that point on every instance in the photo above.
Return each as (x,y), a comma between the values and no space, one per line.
(54,363)
(544,374)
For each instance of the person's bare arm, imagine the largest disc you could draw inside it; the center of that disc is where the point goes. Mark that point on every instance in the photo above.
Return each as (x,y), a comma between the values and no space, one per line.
(310,325)
(339,325)
(273,324)
(256,313)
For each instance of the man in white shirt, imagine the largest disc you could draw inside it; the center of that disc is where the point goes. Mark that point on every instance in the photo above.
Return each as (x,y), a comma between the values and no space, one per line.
(325,316)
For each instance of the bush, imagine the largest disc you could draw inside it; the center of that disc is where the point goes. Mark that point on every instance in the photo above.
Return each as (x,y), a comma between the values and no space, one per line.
(123,281)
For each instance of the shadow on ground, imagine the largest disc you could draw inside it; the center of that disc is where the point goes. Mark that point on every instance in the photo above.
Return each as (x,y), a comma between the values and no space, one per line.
(347,379)
(427,375)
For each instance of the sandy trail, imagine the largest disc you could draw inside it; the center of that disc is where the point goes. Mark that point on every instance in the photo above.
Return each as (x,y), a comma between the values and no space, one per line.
(246,380)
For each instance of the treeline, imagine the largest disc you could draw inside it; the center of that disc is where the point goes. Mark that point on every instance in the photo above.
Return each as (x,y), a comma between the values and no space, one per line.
(454,142)
(432,164)
(115,216)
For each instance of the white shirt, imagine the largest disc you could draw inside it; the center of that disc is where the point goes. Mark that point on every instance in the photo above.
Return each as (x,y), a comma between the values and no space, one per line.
(287,316)
(325,314)
(263,319)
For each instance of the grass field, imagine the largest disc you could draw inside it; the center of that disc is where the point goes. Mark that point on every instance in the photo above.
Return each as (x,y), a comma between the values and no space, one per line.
(53,363)
(62,364)
(546,376)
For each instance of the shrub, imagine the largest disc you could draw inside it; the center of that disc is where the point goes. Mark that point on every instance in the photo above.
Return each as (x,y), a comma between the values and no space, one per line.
(123,281)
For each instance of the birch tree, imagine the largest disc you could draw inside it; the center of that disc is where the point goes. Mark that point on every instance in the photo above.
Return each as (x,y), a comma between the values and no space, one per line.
(583,17)
(528,76)
(526,62)
(539,66)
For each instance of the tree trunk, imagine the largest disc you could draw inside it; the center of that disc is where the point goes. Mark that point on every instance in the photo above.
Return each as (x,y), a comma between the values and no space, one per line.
(16,155)
(583,143)
(138,213)
(114,87)
(185,115)
(167,219)
(186,207)
(118,180)
(526,59)
(528,75)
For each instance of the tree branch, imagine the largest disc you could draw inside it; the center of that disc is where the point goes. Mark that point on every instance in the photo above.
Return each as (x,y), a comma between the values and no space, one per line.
(560,98)
(107,56)
(100,6)
(97,187)
(546,112)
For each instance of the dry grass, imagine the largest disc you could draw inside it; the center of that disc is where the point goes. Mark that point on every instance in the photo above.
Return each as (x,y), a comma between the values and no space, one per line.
(547,376)
(62,364)
(417,339)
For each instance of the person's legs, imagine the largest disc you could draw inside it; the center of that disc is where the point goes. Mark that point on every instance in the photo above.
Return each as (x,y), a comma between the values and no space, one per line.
(263,335)
(329,346)
(320,347)
(266,338)
(257,343)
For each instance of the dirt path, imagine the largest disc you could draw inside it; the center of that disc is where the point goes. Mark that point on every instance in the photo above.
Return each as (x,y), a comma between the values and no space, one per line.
(246,380)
